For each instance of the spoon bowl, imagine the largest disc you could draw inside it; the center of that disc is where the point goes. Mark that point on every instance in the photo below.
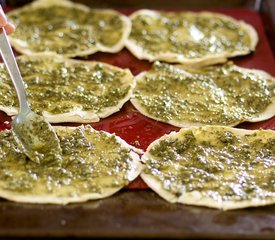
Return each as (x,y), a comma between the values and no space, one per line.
(36,138)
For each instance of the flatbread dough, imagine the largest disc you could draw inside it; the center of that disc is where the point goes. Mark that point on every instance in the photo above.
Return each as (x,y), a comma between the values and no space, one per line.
(95,165)
(67,28)
(200,39)
(66,90)
(213,166)
(217,95)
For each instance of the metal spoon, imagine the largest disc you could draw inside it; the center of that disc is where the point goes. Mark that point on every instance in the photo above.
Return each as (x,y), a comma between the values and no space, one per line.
(36,137)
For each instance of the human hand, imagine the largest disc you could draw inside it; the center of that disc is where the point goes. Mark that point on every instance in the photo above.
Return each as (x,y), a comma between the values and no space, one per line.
(4,23)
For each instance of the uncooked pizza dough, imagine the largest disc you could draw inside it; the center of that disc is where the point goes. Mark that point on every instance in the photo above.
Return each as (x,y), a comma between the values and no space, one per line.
(95,164)
(67,28)
(217,95)
(201,38)
(213,166)
(66,90)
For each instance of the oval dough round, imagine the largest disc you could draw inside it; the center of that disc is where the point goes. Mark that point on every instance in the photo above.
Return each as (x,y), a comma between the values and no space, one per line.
(213,166)
(95,165)
(67,28)
(189,38)
(66,90)
(217,95)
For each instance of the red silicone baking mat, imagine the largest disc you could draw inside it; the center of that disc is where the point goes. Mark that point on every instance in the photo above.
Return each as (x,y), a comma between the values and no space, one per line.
(139,130)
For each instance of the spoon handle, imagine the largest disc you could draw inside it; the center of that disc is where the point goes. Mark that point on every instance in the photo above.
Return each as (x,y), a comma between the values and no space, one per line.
(12,67)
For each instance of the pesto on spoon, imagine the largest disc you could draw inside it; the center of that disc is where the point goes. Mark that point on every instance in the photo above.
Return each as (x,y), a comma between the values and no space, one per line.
(33,134)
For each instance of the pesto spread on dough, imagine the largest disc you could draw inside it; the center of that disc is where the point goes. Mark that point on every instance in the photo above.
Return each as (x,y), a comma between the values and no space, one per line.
(57,85)
(65,30)
(36,138)
(217,95)
(191,35)
(216,162)
(93,161)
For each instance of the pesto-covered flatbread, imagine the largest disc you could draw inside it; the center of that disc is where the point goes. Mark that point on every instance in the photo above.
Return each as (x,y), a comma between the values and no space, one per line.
(190,38)
(95,164)
(67,28)
(66,90)
(217,95)
(213,166)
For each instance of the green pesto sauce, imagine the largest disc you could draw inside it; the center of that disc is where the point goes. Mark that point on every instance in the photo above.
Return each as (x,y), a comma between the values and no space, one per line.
(191,35)
(58,87)
(66,30)
(217,163)
(108,27)
(92,162)
(37,139)
(213,95)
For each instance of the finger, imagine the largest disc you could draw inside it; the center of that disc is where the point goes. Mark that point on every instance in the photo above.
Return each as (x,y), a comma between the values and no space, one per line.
(3,19)
(9,28)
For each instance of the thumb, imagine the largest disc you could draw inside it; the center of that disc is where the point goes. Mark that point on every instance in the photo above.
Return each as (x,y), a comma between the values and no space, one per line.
(3,18)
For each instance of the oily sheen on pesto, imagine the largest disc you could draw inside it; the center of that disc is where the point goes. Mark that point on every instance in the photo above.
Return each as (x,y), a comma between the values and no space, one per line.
(201,38)
(217,95)
(213,166)
(95,165)
(67,28)
(66,90)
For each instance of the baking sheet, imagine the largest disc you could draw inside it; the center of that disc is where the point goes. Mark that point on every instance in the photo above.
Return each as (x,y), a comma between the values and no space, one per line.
(134,212)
